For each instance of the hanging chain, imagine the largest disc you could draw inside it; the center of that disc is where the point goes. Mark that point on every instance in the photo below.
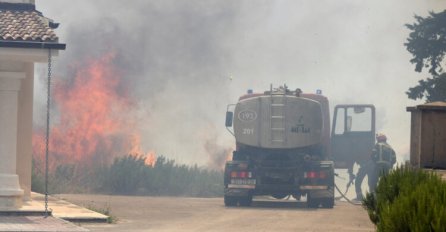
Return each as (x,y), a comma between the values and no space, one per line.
(47,139)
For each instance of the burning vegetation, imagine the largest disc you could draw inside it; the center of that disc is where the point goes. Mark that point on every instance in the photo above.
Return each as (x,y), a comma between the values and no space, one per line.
(93,123)
(95,144)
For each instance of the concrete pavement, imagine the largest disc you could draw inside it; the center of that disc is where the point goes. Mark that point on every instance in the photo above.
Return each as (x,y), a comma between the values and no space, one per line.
(36,223)
(31,217)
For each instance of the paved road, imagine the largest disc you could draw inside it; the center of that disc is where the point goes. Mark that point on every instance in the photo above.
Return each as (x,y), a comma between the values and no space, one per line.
(209,214)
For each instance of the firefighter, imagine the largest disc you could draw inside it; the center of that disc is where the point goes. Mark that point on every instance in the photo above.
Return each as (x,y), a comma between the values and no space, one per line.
(365,168)
(383,157)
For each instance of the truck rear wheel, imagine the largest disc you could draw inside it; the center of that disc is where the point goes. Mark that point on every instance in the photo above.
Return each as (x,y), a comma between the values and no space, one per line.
(242,201)
(230,201)
(328,203)
(312,202)
(245,201)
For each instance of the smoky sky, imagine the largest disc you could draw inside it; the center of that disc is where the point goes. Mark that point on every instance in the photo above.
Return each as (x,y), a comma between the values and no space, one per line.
(177,58)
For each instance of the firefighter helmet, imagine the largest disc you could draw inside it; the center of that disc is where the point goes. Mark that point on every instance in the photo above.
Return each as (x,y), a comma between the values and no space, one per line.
(380,137)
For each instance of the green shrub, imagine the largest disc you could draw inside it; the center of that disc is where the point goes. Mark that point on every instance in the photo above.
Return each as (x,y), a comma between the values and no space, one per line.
(106,210)
(168,178)
(126,175)
(130,175)
(423,209)
(408,200)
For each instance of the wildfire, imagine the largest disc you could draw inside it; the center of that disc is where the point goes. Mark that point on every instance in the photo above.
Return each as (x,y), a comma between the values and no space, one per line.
(94,120)
(149,157)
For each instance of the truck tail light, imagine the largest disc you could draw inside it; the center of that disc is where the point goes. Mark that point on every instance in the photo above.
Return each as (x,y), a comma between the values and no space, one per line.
(241,174)
(315,175)
(310,175)
(233,174)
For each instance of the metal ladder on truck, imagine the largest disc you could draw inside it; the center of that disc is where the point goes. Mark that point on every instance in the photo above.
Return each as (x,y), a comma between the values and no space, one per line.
(277,111)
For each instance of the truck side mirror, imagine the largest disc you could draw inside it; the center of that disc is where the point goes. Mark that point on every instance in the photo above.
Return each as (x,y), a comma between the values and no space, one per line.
(229,116)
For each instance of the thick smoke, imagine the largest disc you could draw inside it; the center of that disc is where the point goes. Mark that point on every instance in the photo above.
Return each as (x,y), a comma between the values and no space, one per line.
(177,58)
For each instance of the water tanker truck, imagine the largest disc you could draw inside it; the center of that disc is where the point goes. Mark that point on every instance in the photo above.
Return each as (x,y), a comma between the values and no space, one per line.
(284,146)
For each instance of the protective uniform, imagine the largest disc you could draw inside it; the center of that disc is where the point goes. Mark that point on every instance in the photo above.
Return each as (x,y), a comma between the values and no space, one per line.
(383,157)
(365,168)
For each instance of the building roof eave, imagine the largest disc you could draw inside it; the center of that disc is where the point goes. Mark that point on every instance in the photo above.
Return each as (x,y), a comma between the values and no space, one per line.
(437,106)
(29,44)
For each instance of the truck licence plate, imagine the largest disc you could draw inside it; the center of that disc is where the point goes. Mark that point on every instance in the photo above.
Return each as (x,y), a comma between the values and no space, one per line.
(243,181)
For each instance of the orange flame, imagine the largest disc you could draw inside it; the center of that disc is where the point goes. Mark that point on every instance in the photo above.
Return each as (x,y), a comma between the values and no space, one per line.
(149,157)
(94,121)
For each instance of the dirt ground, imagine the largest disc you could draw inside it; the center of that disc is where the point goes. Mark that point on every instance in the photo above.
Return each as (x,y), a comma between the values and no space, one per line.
(209,214)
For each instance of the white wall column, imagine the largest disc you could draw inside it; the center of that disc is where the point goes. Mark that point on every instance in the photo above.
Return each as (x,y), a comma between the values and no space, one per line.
(25,130)
(10,191)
